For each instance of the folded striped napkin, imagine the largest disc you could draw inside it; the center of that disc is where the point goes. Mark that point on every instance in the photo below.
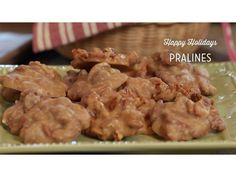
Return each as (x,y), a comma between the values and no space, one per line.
(227,30)
(50,35)
(47,36)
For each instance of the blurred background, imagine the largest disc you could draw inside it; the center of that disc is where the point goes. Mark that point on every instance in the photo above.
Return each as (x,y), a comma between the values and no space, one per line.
(20,42)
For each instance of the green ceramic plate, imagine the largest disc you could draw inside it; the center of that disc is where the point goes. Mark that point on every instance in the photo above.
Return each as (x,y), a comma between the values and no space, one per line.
(223,76)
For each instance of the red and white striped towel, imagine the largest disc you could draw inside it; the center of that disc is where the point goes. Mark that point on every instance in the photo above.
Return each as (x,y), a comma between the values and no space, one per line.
(47,36)
(50,35)
(229,41)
